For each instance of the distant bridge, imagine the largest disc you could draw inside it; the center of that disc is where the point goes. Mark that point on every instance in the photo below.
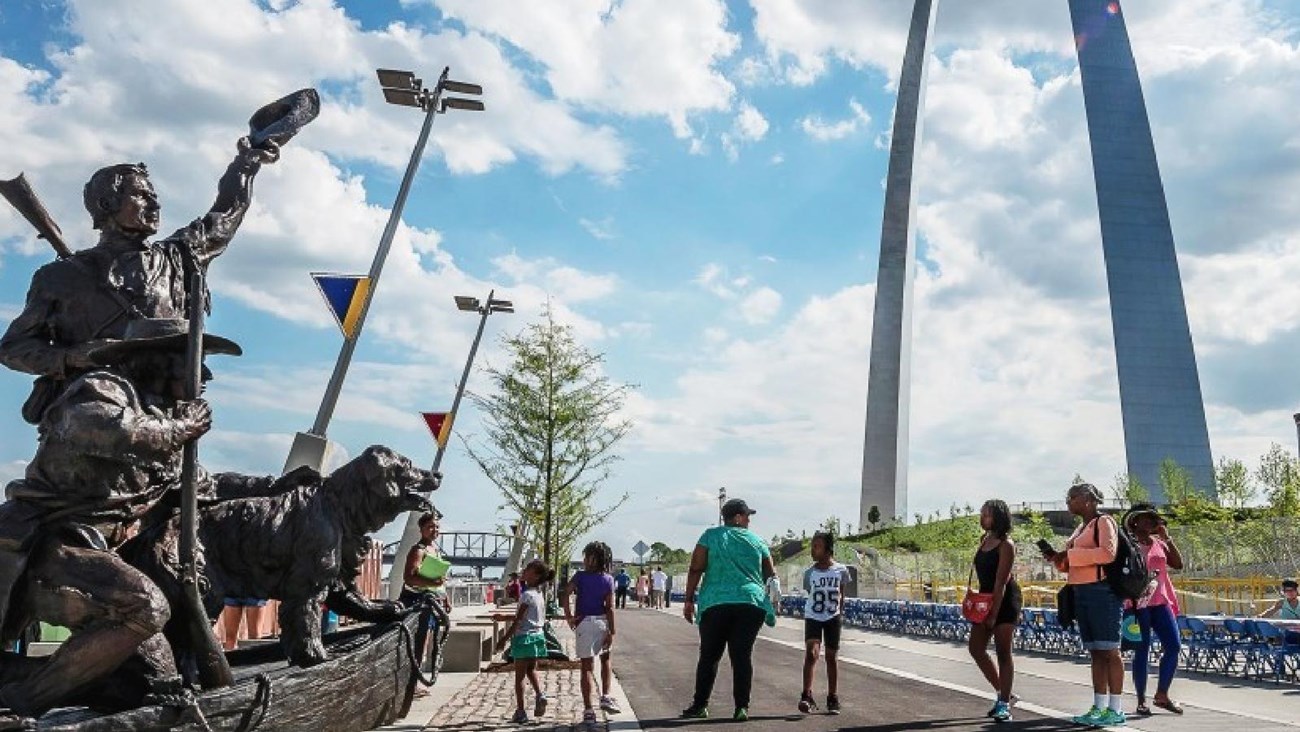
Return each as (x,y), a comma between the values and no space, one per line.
(475,548)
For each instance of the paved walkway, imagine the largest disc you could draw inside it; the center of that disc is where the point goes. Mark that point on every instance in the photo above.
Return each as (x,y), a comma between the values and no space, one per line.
(467,702)
(888,684)
(661,681)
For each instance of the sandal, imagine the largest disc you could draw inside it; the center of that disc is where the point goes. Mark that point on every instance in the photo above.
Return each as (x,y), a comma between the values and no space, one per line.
(1142,709)
(1169,705)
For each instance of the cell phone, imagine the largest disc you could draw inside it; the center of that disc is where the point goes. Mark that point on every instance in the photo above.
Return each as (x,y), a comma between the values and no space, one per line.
(1047,548)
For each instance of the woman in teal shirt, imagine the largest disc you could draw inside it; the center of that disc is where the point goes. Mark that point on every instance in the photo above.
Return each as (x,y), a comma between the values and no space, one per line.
(731,606)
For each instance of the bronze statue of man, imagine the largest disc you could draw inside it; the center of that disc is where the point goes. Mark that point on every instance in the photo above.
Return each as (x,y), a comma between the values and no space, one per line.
(110,451)
(78,304)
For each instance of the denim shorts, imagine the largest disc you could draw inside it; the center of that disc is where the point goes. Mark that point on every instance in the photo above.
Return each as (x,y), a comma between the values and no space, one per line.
(1100,615)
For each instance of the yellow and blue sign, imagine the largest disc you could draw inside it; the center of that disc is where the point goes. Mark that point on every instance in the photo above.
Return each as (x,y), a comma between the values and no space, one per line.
(346,296)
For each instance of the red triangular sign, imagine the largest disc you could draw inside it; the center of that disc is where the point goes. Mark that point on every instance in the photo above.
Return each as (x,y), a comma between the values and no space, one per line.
(439,424)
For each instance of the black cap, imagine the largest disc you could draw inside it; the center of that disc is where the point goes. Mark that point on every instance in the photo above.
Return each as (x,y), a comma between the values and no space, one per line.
(735,507)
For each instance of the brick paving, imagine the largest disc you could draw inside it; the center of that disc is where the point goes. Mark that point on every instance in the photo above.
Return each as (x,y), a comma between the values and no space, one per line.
(487,702)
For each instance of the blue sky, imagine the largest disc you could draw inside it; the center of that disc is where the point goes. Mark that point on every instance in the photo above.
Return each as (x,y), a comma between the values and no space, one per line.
(696,186)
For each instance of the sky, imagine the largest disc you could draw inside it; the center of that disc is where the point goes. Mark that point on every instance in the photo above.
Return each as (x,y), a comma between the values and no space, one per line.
(695,187)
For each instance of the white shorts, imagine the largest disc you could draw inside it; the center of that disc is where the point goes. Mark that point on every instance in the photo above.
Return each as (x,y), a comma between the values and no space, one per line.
(590,634)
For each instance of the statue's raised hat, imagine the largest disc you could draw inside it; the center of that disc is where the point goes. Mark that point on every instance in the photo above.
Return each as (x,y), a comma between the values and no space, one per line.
(160,334)
(280,120)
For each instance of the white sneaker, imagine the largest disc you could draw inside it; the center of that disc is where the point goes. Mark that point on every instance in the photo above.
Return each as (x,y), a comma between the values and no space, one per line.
(608,704)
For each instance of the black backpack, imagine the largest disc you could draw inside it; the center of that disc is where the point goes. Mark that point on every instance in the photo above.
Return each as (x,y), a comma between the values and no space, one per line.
(1127,574)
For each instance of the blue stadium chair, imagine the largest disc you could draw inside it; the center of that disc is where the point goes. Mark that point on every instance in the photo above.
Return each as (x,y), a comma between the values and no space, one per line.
(1276,654)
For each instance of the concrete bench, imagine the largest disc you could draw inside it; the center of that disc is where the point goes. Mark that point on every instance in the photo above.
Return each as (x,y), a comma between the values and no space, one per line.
(465,648)
(495,632)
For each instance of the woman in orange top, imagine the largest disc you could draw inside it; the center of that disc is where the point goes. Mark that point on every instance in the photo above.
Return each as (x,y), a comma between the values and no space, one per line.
(1098,610)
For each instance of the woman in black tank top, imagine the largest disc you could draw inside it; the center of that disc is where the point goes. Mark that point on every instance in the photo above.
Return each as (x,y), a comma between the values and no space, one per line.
(993,563)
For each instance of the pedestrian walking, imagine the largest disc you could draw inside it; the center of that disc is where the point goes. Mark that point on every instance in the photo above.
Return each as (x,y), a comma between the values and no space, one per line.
(249,610)
(527,639)
(732,563)
(642,589)
(774,592)
(1157,610)
(998,611)
(1098,610)
(824,582)
(622,581)
(593,624)
(658,585)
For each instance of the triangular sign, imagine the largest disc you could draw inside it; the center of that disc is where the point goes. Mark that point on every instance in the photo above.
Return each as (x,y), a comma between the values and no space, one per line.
(439,424)
(345,295)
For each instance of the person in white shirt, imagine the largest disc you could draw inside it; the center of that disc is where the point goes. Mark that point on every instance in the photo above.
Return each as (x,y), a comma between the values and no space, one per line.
(774,592)
(658,583)
(824,582)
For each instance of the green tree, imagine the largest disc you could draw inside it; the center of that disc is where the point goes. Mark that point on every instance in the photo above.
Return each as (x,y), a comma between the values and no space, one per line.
(1035,526)
(873,516)
(1279,474)
(831,524)
(1233,484)
(552,423)
(1127,488)
(659,551)
(1176,482)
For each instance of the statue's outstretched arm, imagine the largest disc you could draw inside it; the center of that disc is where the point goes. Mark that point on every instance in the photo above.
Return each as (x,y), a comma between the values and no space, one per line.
(209,235)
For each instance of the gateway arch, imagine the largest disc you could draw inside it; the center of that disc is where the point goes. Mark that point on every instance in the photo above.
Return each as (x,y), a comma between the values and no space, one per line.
(1159,388)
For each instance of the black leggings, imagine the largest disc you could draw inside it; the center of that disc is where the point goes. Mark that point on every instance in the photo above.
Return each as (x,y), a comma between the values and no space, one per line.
(733,627)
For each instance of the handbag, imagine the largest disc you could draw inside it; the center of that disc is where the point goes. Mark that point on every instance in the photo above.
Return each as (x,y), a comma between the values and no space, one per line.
(1065,606)
(975,606)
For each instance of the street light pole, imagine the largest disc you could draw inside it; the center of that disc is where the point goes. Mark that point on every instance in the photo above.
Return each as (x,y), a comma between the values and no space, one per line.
(403,88)
(412,531)
(722,498)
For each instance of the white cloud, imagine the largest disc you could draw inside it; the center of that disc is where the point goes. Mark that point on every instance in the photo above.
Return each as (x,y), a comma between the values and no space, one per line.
(712,277)
(750,123)
(822,131)
(602,230)
(748,126)
(12,470)
(1248,296)
(760,306)
(636,57)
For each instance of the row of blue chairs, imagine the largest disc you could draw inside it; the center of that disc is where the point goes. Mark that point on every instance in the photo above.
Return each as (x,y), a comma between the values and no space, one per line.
(1246,647)
(1251,648)
(1039,630)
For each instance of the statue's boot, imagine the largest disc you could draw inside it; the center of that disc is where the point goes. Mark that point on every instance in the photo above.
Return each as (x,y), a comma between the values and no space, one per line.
(113,610)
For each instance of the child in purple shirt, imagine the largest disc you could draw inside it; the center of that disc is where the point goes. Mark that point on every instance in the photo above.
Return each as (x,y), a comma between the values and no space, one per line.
(593,623)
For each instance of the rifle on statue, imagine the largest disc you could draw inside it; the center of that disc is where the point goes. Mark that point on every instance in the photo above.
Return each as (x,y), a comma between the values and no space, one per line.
(18,192)
(214,669)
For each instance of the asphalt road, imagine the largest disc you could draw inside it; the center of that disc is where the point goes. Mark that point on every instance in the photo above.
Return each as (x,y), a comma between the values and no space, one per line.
(655,657)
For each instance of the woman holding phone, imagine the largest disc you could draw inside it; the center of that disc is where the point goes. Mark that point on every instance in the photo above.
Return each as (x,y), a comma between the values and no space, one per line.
(1098,610)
